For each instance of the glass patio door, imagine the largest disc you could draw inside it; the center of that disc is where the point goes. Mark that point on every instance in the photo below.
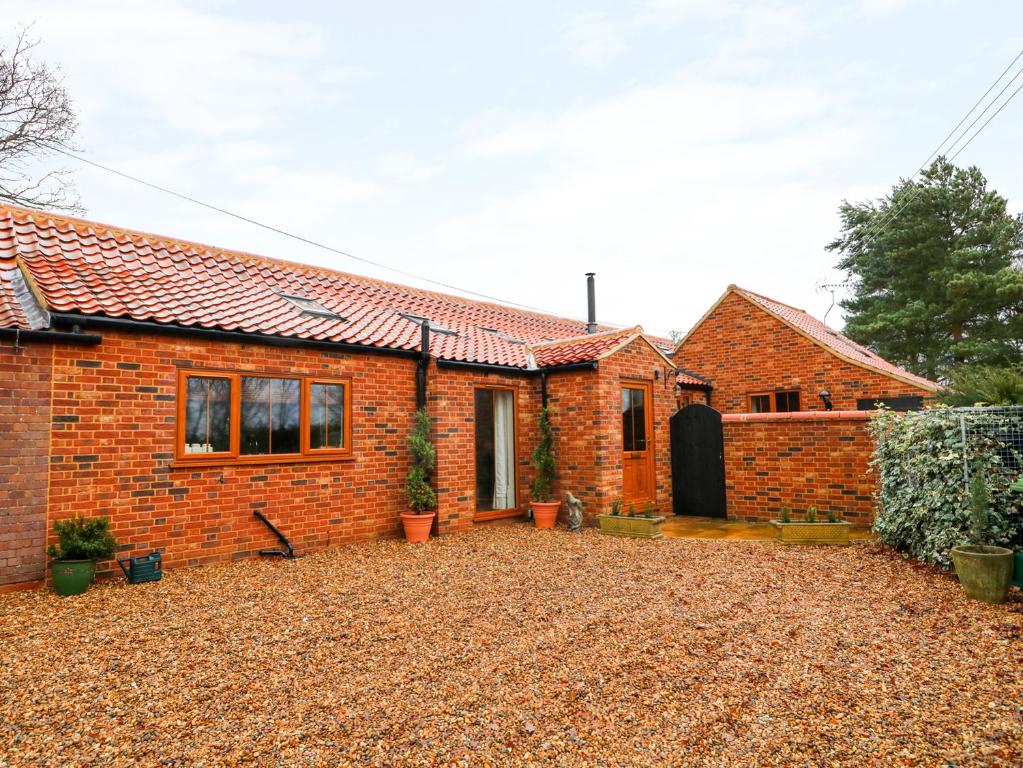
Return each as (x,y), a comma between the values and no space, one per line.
(495,453)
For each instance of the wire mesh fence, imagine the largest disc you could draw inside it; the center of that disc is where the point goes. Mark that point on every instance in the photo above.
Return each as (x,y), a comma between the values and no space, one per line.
(996,431)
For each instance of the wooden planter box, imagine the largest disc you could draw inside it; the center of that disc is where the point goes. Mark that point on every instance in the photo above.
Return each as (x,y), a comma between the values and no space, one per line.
(636,527)
(811,533)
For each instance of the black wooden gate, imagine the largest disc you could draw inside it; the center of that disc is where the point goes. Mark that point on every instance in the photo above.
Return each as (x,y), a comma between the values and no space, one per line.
(697,462)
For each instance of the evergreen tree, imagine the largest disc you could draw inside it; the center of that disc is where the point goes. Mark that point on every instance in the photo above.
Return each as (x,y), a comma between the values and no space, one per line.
(940,284)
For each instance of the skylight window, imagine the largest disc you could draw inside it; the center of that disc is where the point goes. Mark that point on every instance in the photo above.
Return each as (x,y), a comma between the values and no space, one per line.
(311,307)
(419,320)
(505,336)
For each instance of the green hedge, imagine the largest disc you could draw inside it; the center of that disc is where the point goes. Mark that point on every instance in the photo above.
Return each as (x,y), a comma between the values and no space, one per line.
(923,498)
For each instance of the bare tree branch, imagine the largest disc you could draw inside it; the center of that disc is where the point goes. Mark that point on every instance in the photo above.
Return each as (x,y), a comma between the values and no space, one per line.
(36,115)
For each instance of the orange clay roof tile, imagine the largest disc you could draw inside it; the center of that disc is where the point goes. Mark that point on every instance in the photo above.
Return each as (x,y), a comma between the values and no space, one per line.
(832,339)
(84,267)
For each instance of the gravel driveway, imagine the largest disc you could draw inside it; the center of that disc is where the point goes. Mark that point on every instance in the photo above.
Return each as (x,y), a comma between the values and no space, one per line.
(509,646)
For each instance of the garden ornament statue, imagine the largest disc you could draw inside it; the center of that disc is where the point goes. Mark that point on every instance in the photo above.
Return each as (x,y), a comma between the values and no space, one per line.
(575,512)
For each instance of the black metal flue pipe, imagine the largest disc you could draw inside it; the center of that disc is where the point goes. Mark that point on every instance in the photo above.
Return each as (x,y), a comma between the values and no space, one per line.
(591,304)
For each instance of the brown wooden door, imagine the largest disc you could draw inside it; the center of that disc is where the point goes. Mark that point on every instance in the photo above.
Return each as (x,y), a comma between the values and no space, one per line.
(637,444)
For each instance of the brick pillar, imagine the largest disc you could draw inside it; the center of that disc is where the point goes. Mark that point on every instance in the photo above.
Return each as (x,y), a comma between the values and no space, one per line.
(25,375)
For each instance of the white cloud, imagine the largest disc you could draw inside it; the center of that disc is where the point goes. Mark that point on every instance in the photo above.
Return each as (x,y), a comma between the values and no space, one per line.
(202,72)
(883,7)
(594,40)
(675,177)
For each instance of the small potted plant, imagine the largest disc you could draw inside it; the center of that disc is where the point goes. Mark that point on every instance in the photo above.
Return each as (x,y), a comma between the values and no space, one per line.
(545,506)
(422,499)
(811,530)
(984,570)
(80,543)
(632,524)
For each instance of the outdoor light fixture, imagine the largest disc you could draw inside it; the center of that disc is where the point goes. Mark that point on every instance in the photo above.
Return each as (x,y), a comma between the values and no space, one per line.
(826,399)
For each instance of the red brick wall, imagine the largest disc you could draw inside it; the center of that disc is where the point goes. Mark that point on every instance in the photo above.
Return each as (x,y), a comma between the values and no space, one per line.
(451,404)
(744,350)
(587,422)
(113,447)
(578,413)
(24,440)
(794,460)
(114,426)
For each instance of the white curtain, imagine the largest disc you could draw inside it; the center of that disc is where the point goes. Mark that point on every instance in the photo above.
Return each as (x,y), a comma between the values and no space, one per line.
(504,450)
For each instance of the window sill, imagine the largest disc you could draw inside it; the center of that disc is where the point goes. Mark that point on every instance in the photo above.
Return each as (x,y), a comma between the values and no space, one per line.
(182,463)
(495,514)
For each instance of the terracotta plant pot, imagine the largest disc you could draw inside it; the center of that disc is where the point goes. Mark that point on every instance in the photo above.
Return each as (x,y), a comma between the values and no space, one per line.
(545,513)
(417,526)
(985,572)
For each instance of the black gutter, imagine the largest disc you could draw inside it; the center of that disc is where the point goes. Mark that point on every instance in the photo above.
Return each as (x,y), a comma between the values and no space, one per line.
(513,370)
(53,337)
(143,326)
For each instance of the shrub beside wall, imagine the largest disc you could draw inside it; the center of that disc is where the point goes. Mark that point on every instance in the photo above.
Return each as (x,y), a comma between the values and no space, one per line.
(923,495)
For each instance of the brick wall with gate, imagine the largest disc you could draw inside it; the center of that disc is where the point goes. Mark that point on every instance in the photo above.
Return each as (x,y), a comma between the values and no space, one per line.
(795,460)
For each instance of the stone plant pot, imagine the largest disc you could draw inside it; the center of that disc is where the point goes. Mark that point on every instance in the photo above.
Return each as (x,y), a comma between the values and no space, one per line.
(545,513)
(985,572)
(811,533)
(417,526)
(634,527)
(72,577)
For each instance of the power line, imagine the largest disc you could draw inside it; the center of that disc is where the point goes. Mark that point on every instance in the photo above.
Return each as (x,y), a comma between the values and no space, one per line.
(875,228)
(308,241)
(918,190)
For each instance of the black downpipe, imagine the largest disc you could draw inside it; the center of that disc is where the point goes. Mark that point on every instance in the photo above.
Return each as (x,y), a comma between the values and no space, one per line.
(543,388)
(421,365)
(288,553)
(591,304)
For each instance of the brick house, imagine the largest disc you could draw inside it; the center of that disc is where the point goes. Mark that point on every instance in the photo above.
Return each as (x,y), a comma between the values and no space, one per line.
(178,388)
(763,356)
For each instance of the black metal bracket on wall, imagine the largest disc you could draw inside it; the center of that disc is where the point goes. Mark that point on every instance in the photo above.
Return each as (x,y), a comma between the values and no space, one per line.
(288,553)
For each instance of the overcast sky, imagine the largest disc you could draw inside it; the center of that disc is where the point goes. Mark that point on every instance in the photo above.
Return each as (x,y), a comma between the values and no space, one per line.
(671,146)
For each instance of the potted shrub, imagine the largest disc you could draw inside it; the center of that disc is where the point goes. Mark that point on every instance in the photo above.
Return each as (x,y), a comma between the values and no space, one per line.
(80,543)
(632,524)
(984,570)
(811,530)
(545,506)
(422,499)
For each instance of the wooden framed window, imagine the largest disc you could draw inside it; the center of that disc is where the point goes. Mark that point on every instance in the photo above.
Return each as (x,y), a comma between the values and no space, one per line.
(247,418)
(785,402)
(782,401)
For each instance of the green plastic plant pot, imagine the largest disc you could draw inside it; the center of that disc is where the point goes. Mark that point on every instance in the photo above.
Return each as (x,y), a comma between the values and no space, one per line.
(985,572)
(72,577)
(1017,573)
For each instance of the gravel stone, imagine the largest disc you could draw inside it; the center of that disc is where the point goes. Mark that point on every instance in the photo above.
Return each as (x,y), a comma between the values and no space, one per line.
(512,646)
